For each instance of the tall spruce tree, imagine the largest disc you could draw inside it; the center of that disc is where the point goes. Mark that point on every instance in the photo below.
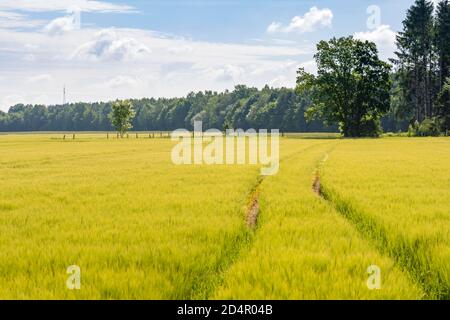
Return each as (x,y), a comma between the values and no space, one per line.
(416,60)
(443,52)
(443,41)
(443,109)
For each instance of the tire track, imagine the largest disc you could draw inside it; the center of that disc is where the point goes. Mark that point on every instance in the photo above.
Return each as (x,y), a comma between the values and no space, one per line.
(205,283)
(405,256)
(243,242)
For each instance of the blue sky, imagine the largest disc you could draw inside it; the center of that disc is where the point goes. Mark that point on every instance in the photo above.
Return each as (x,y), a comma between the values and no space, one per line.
(240,21)
(104,50)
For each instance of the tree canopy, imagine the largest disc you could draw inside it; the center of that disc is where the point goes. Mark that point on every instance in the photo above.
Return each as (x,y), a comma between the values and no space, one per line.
(244,107)
(121,116)
(423,64)
(352,86)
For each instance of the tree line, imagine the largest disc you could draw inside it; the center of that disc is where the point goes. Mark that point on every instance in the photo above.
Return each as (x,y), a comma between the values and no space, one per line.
(244,107)
(422,68)
(353,91)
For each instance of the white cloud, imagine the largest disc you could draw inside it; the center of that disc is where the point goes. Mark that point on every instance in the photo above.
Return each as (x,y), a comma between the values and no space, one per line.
(281,81)
(133,83)
(383,37)
(11,100)
(109,46)
(283,42)
(309,66)
(29,57)
(75,59)
(312,20)
(274,67)
(39,78)
(31,46)
(22,98)
(63,24)
(12,20)
(122,81)
(226,73)
(63,5)
(180,50)
(274,27)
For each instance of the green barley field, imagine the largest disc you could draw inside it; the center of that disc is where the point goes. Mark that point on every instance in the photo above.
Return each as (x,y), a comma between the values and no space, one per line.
(140,227)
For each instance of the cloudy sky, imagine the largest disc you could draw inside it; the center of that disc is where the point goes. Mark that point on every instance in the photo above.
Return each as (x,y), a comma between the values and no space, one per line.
(104,50)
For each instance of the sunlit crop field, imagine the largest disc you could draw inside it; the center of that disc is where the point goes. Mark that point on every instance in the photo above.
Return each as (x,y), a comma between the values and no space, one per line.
(141,227)
(397,193)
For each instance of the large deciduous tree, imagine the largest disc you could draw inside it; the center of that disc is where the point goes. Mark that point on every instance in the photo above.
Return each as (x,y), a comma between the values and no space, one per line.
(351,88)
(122,115)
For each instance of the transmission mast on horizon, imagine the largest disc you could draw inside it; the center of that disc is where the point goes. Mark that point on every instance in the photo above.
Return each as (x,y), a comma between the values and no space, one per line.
(64,95)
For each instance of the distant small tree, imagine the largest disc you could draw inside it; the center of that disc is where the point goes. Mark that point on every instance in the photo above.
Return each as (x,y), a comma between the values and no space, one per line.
(121,116)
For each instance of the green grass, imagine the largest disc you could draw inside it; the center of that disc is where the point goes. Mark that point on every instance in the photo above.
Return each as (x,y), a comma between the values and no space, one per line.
(314,135)
(142,228)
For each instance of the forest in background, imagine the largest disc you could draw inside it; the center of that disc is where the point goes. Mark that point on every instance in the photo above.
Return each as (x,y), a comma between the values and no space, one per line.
(243,108)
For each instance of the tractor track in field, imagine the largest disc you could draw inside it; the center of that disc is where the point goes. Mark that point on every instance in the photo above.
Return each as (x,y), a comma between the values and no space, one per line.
(317,185)
(243,241)
(253,212)
(253,209)
(205,284)
(403,255)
